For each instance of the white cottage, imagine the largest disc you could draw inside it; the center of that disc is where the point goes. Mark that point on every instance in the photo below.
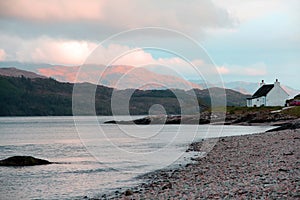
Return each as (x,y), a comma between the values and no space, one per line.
(268,95)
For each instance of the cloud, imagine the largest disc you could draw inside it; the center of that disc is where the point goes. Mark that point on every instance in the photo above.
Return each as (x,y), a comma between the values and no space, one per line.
(51,10)
(69,52)
(256,69)
(124,56)
(116,54)
(223,70)
(2,55)
(47,50)
(77,52)
(247,10)
(104,15)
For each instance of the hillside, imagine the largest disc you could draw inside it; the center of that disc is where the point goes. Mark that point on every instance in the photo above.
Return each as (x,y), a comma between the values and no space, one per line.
(233,98)
(21,96)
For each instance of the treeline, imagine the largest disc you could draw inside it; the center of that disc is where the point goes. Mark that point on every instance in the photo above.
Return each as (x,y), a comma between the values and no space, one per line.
(34,97)
(20,96)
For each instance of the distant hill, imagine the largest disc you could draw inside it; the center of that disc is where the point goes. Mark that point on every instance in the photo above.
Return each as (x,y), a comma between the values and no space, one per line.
(118,76)
(233,98)
(134,78)
(244,87)
(21,96)
(14,72)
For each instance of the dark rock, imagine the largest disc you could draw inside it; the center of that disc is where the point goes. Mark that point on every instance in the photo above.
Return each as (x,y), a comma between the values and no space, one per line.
(164,120)
(143,121)
(283,170)
(167,186)
(296,195)
(110,122)
(23,161)
(245,118)
(187,165)
(286,126)
(204,121)
(128,193)
(288,153)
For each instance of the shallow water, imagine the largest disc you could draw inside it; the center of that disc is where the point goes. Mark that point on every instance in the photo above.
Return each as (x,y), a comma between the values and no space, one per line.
(93,158)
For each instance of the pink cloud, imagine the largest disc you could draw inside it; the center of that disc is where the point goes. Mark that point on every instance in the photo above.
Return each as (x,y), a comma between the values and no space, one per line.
(47,50)
(223,70)
(2,54)
(135,58)
(256,69)
(52,10)
(76,53)
(122,14)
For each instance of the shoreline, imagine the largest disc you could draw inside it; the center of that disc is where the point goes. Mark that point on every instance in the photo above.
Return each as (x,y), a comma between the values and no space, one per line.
(250,166)
(261,117)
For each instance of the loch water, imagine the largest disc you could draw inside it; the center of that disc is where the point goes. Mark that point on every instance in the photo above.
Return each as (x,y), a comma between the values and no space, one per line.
(92,158)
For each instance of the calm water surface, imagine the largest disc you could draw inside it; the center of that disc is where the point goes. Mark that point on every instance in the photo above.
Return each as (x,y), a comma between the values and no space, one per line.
(92,160)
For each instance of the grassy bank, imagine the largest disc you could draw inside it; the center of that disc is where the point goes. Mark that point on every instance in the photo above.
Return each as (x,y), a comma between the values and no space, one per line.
(294,111)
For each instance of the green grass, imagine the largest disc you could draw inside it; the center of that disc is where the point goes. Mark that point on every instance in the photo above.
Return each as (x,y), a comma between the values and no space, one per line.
(295,111)
(242,110)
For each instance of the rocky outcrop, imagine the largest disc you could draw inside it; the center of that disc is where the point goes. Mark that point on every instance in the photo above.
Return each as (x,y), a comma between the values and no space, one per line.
(191,119)
(285,126)
(23,161)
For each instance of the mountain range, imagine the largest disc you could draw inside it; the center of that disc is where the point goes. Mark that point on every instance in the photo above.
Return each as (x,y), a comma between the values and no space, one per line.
(123,77)
(24,93)
(117,76)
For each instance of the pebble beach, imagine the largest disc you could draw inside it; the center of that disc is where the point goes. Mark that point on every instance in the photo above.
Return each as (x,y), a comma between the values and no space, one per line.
(258,166)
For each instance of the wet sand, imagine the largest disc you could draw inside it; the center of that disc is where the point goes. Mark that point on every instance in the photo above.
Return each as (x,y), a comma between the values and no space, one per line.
(258,166)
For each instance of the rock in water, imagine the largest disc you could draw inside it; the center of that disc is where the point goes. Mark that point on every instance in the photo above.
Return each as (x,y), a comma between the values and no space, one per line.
(23,161)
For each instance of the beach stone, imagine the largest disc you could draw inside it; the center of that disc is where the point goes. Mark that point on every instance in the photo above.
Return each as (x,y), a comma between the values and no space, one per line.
(288,153)
(296,195)
(23,161)
(167,186)
(283,170)
(128,193)
(253,167)
(111,122)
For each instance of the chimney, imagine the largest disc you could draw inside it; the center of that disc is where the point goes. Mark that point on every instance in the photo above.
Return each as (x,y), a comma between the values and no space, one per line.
(277,82)
(262,83)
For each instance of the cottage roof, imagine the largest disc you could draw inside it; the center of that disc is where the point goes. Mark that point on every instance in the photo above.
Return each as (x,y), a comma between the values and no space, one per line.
(262,91)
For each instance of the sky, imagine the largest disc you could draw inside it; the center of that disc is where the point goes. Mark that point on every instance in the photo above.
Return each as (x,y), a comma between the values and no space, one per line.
(246,40)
